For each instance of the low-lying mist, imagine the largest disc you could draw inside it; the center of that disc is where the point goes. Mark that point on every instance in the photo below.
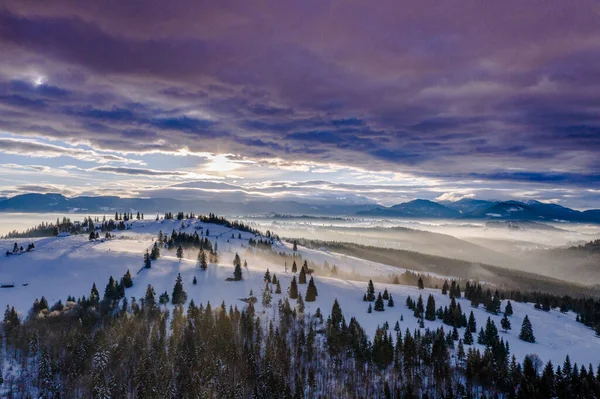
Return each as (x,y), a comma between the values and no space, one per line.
(528,246)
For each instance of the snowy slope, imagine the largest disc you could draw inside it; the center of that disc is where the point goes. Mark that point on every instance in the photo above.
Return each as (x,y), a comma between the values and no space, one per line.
(68,266)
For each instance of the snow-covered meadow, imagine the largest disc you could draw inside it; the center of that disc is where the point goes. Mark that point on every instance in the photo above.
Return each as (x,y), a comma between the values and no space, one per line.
(64,266)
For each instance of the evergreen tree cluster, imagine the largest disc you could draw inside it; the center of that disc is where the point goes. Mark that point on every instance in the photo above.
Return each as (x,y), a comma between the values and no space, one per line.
(143,351)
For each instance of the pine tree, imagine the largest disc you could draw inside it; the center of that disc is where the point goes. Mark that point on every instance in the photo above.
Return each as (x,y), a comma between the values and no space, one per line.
(237,272)
(370,291)
(527,331)
(94,295)
(295,246)
(155,253)
(300,304)
(370,309)
(505,323)
(278,289)
(302,276)
(294,267)
(445,287)
(420,283)
(468,337)
(391,302)
(472,324)
(430,310)
(267,277)
(386,295)
(126,280)
(179,253)
(147,261)
(163,299)
(149,298)
(202,260)
(311,291)
(508,310)
(179,296)
(293,289)
(266,296)
(379,306)
(419,309)
(194,281)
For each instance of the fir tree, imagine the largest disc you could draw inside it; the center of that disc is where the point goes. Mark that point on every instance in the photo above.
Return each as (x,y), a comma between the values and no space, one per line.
(202,260)
(194,281)
(420,283)
(267,277)
(370,309)
(508,310)
(379,306)
(302,276)
(278,288)
(126,280)
(300,304)
(163,299)
(468,337)
(179,252)
(445,288)
(311,291)
(370,291)
(266,296)
(293,289)
(295,246)
(179,296)
(527,331)
(237,272)
(386,295)
(430,310)
(149,298)
(147,261)
(471,324)
(419,309)
(505,323)
(294,267)
(391,302)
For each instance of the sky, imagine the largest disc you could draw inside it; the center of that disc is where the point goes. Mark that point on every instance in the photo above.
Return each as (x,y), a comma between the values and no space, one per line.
(350,101)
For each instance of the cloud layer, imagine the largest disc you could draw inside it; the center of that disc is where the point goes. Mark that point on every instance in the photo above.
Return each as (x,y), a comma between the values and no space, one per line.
(464,94)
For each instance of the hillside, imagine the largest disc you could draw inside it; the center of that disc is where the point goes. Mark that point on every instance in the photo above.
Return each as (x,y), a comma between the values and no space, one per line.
(64,266)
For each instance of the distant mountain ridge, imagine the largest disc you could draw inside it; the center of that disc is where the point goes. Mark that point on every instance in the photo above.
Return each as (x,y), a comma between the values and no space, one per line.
(467,208)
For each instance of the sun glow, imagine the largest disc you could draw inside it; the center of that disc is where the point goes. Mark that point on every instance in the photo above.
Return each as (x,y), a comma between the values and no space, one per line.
(221,163)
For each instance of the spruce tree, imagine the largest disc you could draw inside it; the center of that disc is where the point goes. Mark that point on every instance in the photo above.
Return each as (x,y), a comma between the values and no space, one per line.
(267,277)
(147,261)
(179,253)
(126,280)
(471,324)
(386,295)
(370,291)
(379,305)
(370,309)
(237,272)
(294,267)
(202,260)
(311,291)
(420,283)
(179,296)
(293,289)
(505,323)
(194,281)
(278,288)
(266,296)
(527,331)
(468,337)
(391,302)
(430,310)
(302,276)
(149,298)
(419,309)
(163,299)
(445,287)
(508,310)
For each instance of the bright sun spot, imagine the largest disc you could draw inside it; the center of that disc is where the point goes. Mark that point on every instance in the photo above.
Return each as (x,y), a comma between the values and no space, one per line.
(221,163)
(38,80)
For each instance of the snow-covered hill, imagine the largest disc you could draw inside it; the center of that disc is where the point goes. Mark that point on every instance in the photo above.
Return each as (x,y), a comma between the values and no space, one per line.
(60,267)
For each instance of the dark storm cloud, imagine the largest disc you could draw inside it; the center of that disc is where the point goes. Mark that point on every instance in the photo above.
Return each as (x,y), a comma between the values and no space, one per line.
(459,89)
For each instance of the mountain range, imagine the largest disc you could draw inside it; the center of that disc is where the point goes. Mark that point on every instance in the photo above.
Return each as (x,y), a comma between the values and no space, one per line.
(466,208)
